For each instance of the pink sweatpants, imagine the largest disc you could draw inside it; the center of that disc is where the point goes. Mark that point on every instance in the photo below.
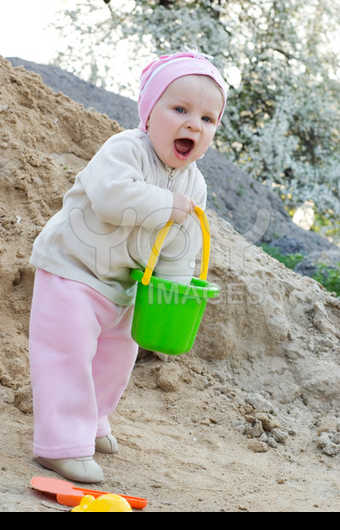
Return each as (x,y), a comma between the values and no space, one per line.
(81,358)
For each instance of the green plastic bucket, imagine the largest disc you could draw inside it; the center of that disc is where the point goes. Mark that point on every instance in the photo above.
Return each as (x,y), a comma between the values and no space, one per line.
(167,314)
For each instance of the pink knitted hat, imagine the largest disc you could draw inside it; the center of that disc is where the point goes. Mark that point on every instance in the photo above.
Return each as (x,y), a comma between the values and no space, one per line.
(158,75)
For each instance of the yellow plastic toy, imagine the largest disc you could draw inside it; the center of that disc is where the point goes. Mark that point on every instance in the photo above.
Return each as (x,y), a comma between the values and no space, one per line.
(105,503)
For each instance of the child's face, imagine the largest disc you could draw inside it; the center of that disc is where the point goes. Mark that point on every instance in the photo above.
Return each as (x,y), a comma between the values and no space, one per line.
(183,122)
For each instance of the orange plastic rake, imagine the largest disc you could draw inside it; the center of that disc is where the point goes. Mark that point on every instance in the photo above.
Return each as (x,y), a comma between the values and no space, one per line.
(70,495)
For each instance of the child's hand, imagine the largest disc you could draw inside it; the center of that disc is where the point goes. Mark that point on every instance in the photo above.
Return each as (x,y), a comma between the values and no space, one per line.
(182,207)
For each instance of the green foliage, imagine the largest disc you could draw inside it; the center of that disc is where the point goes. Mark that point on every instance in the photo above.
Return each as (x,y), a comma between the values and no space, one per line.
(329,278)
(328,227)
(289,260)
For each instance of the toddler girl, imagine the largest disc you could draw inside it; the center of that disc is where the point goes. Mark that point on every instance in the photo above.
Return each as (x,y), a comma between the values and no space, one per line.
(81,350)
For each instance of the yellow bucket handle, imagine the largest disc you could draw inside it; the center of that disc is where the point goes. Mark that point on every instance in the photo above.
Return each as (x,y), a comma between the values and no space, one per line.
(160,240)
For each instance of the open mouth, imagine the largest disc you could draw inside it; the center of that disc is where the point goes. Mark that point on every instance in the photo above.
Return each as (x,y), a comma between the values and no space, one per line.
(183,147)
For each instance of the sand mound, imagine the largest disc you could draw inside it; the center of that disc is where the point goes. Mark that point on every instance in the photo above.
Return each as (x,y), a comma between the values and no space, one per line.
(236,425)
(44,139)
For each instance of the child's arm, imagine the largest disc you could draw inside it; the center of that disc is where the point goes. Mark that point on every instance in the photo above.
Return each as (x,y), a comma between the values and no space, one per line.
(114,183)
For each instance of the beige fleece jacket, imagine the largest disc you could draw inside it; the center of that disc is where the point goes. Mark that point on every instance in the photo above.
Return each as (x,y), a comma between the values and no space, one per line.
(110,217)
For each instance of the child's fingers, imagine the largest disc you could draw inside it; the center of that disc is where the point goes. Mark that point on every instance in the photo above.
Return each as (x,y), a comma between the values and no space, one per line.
(183,206)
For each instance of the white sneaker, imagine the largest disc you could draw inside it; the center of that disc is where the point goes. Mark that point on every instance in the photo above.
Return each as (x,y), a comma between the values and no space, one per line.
(82,469)
(107,444)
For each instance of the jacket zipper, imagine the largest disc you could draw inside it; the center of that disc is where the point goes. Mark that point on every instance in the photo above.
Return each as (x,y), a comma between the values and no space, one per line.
(171,178)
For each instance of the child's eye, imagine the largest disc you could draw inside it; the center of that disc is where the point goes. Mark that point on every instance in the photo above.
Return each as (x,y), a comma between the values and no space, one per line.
(207,119)
(180,110)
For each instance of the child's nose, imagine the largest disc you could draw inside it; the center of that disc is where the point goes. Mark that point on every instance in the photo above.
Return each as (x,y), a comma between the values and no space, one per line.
(194,123)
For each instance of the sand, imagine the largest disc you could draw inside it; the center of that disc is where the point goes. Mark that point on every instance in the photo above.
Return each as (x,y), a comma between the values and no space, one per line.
(247,421)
